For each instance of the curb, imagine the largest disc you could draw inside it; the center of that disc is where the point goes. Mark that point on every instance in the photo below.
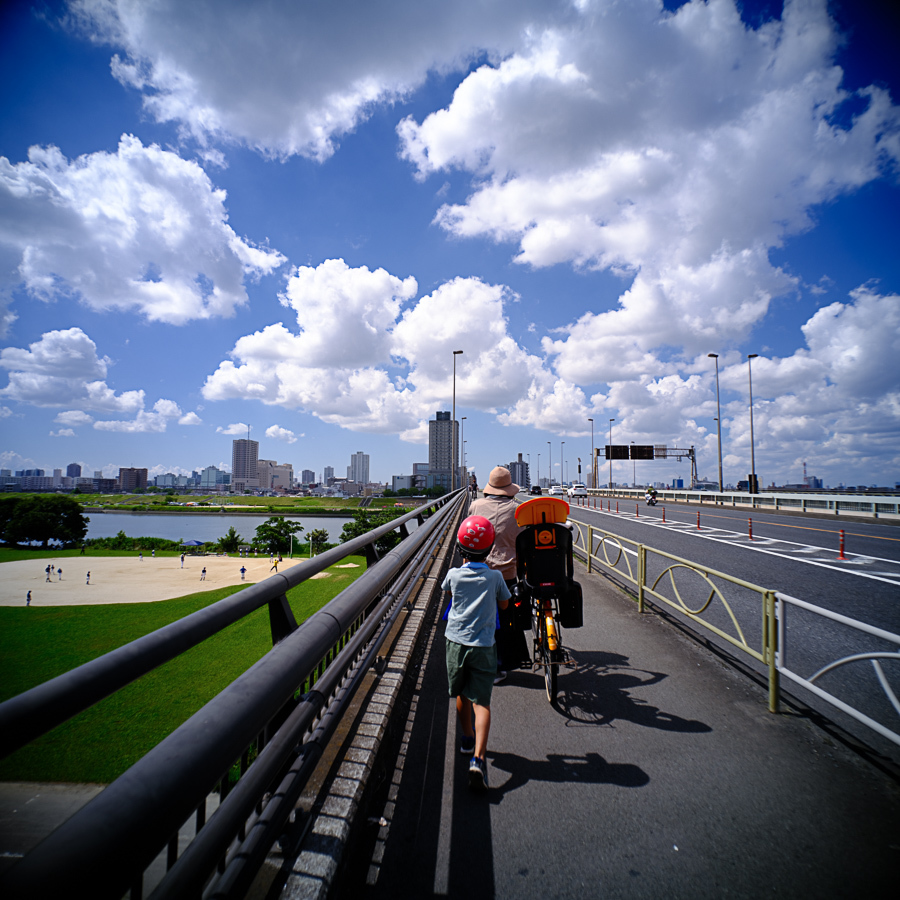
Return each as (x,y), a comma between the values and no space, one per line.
(316,867)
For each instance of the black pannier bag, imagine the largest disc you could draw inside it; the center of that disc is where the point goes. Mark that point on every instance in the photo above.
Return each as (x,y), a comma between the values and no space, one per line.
(571,606)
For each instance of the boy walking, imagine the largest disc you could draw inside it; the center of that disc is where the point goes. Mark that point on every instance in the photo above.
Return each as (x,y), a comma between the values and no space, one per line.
(477,592)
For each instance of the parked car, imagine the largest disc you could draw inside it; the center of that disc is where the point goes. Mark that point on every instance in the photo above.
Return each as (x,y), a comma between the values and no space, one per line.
(536,490)
(578,490)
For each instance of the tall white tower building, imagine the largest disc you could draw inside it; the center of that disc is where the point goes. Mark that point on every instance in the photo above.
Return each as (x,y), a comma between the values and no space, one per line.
(244,462)
(359,468)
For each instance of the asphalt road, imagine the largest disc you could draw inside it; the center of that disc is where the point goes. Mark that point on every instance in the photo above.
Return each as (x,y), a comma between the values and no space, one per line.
(797,556)
(660,773)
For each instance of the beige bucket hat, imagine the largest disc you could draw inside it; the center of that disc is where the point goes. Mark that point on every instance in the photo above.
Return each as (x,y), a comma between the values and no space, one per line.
(501,483)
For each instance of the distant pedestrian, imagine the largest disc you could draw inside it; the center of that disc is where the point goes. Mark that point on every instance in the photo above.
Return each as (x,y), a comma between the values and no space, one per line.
(47,570)
(182,560)
(275,566)
(243,573)
(141,556)
(82,549)
(59,574)
(28,599)
(88,578)
(153,553)
(203,574)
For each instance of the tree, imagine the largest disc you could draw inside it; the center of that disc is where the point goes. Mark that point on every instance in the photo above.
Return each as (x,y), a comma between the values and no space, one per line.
(41,519)
(365,520)
(318,537)
(231,542)
(275,534)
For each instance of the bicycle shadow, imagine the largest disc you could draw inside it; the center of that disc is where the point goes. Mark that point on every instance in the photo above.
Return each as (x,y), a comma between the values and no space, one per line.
(598,692)
(558,768)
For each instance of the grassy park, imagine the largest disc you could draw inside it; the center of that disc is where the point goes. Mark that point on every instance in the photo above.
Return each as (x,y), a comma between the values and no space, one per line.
(37,644)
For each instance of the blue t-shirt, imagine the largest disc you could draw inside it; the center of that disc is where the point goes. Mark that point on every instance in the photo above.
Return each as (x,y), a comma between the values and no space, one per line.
(476,590)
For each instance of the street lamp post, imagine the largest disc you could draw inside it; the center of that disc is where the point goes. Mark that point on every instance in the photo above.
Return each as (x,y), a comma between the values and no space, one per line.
(593,458)
(453,428)
(751,356)
(539,469)
(610,452)
(562,468)
(529,469)
(550,464)
(715,356)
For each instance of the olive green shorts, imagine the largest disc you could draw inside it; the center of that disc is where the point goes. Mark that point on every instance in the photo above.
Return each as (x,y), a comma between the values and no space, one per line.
(471,672)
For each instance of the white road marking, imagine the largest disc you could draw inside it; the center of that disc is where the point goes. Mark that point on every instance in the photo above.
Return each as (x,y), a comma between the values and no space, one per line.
(885,570)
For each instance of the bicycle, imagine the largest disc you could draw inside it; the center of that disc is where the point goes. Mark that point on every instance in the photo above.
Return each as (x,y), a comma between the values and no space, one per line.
(544,568)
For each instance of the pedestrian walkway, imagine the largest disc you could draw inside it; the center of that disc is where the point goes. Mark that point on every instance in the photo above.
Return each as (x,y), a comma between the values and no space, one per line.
(661,773)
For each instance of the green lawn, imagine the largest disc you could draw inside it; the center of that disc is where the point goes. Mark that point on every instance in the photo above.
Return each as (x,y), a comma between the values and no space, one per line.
(99,744)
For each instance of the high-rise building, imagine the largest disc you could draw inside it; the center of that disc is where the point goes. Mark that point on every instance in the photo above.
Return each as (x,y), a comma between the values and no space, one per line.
(328,475)
(283,477)
(520,474)
(73,470)
(308,477)
(443,434)
(244,459)
(132,479)
(212,478)
(358,469)
(265,471)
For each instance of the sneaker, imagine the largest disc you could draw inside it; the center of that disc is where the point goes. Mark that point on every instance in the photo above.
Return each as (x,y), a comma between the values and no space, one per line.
(501,676)
(478,780)
(467,745)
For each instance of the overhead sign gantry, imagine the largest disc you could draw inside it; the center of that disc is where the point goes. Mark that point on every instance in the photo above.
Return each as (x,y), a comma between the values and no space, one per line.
(651,451)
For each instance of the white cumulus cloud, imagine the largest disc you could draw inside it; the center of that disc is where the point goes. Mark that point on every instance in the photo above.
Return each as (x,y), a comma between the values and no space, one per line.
(277,433)
(139,229)
(63,369)
(298,76)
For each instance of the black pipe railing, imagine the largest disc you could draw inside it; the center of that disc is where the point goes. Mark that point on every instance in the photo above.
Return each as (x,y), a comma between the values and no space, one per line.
(35,712)
(110,842)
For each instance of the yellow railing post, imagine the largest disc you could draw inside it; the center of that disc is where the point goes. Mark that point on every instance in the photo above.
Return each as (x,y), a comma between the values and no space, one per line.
(642,575)
(590,547)
(771,641)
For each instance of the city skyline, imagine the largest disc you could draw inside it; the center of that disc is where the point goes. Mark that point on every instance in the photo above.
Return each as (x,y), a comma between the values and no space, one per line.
(586,198)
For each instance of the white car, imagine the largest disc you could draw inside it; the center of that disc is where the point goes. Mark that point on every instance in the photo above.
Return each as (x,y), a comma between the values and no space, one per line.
(578,490)
(556,490)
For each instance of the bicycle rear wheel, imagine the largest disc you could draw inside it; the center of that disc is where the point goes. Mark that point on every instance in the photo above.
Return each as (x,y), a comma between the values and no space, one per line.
(551,671)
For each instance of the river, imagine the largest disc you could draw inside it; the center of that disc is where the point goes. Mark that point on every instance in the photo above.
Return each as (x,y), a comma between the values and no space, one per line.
(196,527)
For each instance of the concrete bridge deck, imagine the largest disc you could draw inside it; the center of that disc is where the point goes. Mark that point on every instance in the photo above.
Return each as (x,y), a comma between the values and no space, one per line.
(661,773)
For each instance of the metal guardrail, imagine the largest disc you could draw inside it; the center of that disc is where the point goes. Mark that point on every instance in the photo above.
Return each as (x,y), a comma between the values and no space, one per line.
(785,602)
(874,505)
(282,710)
(701,598)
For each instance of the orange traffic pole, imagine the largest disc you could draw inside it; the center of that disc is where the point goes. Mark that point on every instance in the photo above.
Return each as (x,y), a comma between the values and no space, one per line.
(750,528)
(637,510)
(698,520)
(664,515)
(841,553)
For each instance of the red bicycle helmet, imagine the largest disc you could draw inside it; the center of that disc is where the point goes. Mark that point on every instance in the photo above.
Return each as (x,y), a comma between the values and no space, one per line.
(475,536)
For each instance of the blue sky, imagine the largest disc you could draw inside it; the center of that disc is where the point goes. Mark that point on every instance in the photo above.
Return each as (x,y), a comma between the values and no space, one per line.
(286,216)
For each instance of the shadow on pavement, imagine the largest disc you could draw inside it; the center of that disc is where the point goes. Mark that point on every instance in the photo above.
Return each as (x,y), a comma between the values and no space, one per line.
(598,692)
(591,768)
